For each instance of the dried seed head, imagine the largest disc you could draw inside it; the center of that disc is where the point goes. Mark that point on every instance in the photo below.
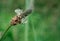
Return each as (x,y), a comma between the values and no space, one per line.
(15,20)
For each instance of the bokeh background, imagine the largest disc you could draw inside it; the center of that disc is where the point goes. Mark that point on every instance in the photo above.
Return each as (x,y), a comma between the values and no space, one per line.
(43,23)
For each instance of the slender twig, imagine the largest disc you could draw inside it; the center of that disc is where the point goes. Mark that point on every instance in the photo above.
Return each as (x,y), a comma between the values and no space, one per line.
(3,36)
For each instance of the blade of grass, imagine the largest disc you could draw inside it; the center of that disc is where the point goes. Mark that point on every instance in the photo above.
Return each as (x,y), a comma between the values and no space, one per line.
(34,32)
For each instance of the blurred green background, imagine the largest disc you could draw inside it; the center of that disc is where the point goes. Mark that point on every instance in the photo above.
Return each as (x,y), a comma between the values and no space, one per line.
(43,24)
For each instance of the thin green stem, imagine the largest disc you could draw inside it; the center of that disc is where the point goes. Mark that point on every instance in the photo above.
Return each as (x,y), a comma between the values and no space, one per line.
(35,35)
(26,31)
(5,32)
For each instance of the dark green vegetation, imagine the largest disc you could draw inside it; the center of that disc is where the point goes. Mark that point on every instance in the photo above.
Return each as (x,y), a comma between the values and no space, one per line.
(43,24)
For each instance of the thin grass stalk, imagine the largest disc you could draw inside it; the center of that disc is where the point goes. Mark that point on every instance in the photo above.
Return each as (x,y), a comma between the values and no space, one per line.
(34,32)
(29,5)
(3,36)
(26,31)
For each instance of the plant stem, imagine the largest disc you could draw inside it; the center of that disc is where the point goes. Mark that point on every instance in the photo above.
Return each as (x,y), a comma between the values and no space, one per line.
(26,30)
(5,32)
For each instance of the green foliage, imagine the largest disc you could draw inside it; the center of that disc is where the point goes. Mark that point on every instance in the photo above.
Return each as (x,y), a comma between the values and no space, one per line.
(43,24)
